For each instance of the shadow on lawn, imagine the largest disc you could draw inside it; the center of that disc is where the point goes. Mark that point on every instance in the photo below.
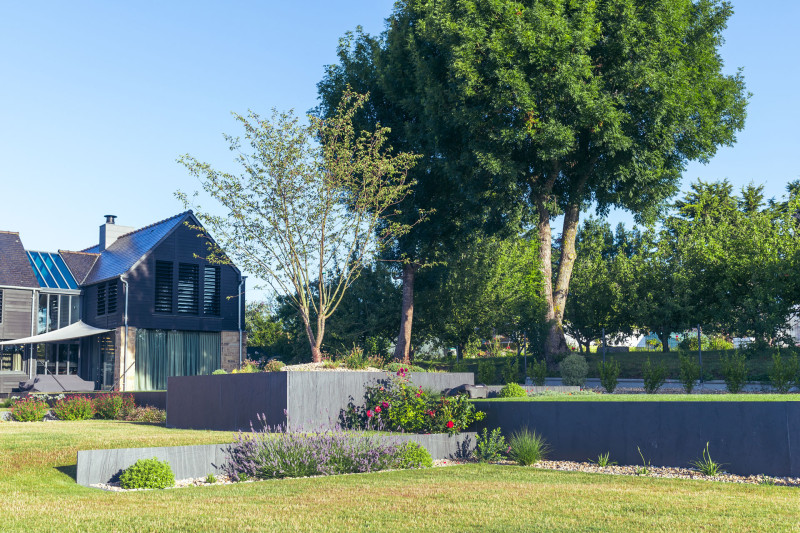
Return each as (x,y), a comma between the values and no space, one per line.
(70,470)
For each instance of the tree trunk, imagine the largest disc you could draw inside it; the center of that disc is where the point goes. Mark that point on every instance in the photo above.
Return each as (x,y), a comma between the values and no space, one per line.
(314,341)
(555,342)
(403,346)
(664,340)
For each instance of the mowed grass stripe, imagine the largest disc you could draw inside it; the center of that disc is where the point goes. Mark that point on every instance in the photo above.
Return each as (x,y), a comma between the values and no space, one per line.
(41,496)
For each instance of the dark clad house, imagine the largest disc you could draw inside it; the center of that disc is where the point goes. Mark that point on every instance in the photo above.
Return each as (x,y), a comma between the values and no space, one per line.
(125,314)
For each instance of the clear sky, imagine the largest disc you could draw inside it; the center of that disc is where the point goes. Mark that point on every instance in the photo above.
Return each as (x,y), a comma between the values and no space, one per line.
(98,99)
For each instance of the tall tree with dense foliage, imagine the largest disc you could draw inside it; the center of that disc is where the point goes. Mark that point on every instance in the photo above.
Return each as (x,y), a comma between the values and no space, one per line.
(315,203)
(558,104)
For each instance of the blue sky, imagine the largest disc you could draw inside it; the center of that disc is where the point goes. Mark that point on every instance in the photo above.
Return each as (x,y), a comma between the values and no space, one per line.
(98,99)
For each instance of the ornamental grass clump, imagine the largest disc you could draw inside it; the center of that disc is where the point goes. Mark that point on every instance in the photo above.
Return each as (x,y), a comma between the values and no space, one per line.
(74,408)
(113,406)
(706,465)
(29,409)
(397,404)
(527,447)
(277,453)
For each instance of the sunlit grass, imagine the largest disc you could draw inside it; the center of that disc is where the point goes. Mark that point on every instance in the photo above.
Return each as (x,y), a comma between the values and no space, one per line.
(40,494)
(566,397)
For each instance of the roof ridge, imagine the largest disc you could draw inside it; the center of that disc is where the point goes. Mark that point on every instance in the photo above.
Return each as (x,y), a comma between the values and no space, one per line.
(10,232)
(81,252)
(153,224)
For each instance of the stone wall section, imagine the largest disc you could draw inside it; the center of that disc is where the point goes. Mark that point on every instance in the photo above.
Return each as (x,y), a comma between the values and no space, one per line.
(128,383)
(229,354)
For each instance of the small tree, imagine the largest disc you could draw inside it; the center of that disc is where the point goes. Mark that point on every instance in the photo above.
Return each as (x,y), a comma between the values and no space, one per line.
(313,204)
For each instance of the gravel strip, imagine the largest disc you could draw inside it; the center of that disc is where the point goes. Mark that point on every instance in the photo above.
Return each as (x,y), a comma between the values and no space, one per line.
(319,367)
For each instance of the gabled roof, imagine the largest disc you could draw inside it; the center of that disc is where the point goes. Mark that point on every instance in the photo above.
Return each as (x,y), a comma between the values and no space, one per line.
(15,269)
(127,250)
(79,263)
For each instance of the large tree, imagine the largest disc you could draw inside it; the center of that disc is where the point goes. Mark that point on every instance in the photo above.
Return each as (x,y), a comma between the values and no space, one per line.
(313,205)
(559,104)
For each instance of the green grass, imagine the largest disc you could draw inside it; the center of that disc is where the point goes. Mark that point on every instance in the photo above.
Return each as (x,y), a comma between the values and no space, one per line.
(654,398)
(40,494)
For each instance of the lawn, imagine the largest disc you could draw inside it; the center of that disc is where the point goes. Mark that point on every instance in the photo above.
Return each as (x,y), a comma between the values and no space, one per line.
(566,397)
(40,495)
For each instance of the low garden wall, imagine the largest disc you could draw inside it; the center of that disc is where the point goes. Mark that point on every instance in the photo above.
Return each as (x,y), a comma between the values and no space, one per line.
(103,466)
(230,402)
(749,438)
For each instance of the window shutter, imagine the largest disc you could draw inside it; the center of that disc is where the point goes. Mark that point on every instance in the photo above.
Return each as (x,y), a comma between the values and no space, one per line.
(188,288)
(211,290)
(163,302)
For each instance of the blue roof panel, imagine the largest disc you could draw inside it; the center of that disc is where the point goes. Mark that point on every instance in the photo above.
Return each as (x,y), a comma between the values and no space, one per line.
(50,271)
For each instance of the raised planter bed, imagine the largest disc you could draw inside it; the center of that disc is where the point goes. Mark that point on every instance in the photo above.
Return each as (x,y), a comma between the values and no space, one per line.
(749,437)
(230,402)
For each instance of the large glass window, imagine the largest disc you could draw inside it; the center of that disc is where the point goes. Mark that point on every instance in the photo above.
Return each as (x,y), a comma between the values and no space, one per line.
(211,293)
(11,358)
(188,288)
(63,320)
(41,316)
(163,302)
(74,309)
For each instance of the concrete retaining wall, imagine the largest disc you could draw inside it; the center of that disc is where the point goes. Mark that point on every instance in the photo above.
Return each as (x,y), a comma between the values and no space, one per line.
(229,402)
(102,466)
(748,437)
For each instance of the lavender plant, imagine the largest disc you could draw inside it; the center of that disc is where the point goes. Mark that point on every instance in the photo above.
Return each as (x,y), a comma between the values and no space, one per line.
(274,452)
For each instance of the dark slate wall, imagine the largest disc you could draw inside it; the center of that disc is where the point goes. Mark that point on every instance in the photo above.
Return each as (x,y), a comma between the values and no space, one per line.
(311,399)
(748,437)
(226,402)
(180,246)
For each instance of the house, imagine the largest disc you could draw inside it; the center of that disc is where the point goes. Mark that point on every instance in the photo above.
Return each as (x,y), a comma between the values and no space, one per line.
(124,314)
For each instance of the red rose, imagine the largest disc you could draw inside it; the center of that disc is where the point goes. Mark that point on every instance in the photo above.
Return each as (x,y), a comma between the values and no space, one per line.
(450,424)
(369,414)
(377,409)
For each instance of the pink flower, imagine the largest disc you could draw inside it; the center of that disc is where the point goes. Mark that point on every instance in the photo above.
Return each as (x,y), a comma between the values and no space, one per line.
(431,413)
(450,424)
(381,388)
(369,414)
(377,409)
(418,395)
(384,404)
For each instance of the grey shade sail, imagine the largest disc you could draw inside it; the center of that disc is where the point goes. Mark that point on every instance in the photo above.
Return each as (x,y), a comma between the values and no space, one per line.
(77,330)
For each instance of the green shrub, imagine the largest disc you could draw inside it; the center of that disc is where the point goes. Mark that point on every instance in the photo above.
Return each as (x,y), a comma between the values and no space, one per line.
(248,367)
(486,372)
(490,446)
(211,478)
(29,410)
(113,406)
(8,402)
(690,371)
(149,414)
(734,370)
(513,390)
(74,408)
(654,376)
(395,367)
(720,343)
(609,374)
(689,342)
(147,474)
(413,455)
(538,372)
(355,359)
(783,374)
(218,371)
(510,371)
(273,365)
(574,370)
(527,448)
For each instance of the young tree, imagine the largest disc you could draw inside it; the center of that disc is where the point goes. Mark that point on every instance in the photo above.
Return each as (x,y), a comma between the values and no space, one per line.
(313,204)
(557,104)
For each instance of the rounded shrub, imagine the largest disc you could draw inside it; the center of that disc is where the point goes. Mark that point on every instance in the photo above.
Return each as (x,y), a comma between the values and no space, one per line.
(395,367)
(29,410)
(113,406)
(147,474)
(273,365)
(413,455)
(513,390)
(218,372)
(74,408)
(574,370)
